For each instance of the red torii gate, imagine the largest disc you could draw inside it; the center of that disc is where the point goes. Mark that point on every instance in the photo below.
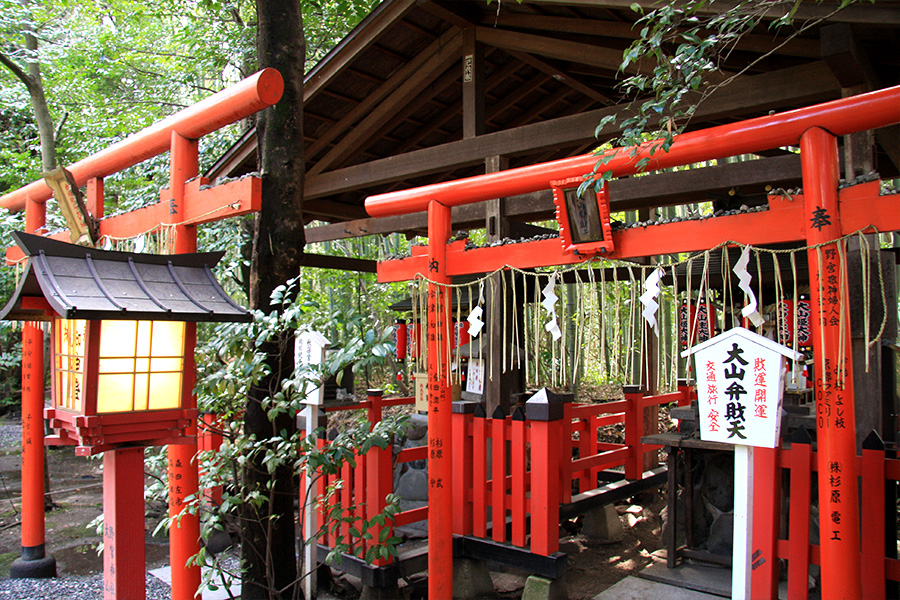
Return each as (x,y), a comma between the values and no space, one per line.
(814,129)
(186,203)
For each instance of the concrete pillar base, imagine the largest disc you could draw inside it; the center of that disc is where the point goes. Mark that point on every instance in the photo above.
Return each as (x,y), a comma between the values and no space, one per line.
(603,525)
(471,579)
(33,564)
(540,588)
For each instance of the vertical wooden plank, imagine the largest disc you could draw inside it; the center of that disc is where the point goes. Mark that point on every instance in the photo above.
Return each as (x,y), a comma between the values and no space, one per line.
(798,531)
(517,468)
(545,487)
(873,534)
(498,475)
(479,472)
(564,455)
(462,467)
(593,448)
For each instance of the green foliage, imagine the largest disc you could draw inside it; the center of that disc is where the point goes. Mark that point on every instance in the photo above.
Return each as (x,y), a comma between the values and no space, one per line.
(233,359)
(686,43)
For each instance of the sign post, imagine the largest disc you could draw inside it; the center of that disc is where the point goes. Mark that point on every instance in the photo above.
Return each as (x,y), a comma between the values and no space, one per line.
(740,385)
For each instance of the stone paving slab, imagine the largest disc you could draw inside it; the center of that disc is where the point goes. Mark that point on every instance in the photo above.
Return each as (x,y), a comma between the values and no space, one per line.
(635,588)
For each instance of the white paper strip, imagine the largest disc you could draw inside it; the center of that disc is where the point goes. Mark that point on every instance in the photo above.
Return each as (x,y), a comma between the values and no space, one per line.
(648,298)
(549,304)
(740,269)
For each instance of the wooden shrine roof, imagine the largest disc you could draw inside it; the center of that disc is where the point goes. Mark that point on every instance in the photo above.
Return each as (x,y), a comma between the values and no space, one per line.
(388,109)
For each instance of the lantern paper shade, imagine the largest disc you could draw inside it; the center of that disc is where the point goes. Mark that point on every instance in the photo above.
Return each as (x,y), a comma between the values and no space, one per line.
(139,366)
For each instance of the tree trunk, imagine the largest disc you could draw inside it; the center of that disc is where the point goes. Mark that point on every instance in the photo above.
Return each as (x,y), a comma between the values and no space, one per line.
(268,551)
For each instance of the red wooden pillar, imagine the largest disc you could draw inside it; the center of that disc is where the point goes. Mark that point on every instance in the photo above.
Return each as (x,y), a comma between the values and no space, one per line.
(34,561)
(836,424)
(184,479)
(634,429)
(440,465)
(124,573)
(546,430)
(210,440)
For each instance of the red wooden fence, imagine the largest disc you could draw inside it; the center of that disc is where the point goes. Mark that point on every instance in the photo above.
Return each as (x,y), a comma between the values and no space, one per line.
(508,470)
(876,470)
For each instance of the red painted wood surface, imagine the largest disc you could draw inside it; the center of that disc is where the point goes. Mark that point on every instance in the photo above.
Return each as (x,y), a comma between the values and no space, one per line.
(766,508)
(835,413)
(124,572)
(873,535)
(232,104)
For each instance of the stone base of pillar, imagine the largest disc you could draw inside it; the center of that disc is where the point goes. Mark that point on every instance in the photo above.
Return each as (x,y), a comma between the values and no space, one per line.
(602,525)
(33,564)
(540,588)
(471,579)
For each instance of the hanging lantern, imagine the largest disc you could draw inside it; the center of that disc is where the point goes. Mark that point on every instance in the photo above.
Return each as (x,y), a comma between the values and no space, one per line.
(118,328)
(786,309)
(583,218)
(699,318)
(400,339)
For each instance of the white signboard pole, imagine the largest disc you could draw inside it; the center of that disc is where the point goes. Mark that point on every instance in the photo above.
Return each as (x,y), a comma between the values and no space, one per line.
(310,415)
(743,523)
(740,385)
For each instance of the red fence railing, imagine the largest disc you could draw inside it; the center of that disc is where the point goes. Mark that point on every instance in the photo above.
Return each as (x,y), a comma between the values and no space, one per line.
(511,473)
(877,472)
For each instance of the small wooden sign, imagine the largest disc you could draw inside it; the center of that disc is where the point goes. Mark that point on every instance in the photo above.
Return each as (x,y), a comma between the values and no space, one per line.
(740,384)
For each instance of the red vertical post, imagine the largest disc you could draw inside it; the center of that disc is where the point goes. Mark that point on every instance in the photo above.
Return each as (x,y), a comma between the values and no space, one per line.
(836,423)
(440,466)
(379,470)
(462,467)
(545,486)
(498,475)
(479,472)
(766,513)
(634,429)
(34,561)
(184,478)
(124,571)
(873,536)
(519,503)
(798,530)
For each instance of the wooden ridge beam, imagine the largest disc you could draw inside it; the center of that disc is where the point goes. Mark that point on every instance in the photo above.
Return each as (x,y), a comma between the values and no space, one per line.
(341,263)
(802,48)
(793,86)
(560,49)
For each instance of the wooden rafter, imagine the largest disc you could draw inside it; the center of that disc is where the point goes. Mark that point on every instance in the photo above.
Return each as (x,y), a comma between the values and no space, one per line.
(428,71)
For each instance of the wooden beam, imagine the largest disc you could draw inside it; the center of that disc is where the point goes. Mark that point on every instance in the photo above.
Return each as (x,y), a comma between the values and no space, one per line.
(450,15)
(427,72)
(589,54)
(861,13)
(331,211)
(364,107)
(561,76)
(473,85)
(343,263)
(749,42)
(798,85)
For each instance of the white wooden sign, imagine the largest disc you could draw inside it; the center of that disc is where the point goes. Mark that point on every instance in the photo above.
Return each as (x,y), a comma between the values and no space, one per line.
(309,349)
(740,385)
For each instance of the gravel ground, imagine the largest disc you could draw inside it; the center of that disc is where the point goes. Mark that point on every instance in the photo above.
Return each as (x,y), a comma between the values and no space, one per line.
(70,588)
(10,435)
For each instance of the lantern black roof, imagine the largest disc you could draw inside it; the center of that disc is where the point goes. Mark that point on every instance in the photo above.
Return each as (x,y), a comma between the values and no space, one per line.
(85,283)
